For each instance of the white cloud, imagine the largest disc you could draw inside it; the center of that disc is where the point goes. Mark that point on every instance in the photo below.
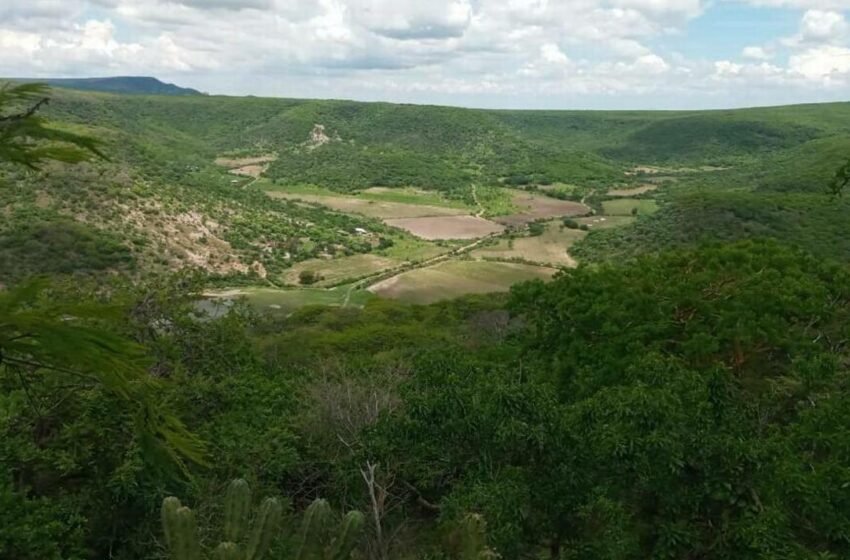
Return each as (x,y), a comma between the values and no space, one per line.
(823,64)
(419,48)
(756,53)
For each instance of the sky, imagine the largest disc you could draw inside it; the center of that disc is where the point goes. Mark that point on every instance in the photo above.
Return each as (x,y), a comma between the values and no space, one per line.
(524,54)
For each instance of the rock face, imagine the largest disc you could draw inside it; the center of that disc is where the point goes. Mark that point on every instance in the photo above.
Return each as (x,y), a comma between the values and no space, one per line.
(318,137)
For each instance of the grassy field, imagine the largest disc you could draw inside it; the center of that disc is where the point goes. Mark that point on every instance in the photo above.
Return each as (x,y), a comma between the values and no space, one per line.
(605,222)
(285,301)
(551,248)
(456,278)
(333,271)
(626,206)
(370,208)
(633,191)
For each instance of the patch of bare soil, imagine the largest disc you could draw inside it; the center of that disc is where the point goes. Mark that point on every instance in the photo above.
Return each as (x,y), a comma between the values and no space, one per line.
(447,227)
(188,239)
(536,207)
(318,137)
(249,171)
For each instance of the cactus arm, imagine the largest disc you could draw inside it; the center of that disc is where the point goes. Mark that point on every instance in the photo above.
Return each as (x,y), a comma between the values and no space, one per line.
(315,526)
(350,533)
(169,509)
(266,528)
(237,510)
(186,545)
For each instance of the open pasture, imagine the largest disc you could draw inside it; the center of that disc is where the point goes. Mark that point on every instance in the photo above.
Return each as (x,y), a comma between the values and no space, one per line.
(379,209)
(285,301)
(551,248)
(633,191)
(626,206)
(605,222)
(447,227)
(333,271)
(452,279)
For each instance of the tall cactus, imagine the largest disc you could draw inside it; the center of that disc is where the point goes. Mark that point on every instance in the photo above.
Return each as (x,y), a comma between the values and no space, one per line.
(320,540)
(349,536)
(237,510)
(266,527)
(320,537)
(181,533)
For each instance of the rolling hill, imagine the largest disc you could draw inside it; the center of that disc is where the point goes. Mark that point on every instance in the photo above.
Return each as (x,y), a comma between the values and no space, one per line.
(162,202)
(139,85)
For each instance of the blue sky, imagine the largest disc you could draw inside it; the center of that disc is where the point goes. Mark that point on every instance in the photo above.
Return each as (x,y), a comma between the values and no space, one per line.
(660,54)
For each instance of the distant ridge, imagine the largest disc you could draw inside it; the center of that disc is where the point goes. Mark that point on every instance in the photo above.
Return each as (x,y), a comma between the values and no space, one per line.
(142,85)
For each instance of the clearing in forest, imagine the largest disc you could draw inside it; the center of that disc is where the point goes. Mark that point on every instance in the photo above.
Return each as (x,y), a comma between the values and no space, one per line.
(283,301)
(453,279)
(550,248)
(247,166)
(533,207)
(333,271)
(626,206)
(447,227)
(371,208)
(605,222)
(634,191)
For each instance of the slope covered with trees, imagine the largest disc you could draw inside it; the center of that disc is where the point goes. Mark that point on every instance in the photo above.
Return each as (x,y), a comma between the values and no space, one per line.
(690,402)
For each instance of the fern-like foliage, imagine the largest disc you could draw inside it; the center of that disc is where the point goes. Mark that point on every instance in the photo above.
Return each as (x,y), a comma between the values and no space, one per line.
(27,139)
(39,336)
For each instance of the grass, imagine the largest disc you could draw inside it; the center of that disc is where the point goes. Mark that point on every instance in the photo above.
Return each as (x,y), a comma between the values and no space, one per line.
(551,248)
(285,301)
(412,249)
(453,279)
(333,271)
(626,206)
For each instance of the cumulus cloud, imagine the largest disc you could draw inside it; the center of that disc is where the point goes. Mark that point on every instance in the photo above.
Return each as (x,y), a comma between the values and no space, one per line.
(386,48)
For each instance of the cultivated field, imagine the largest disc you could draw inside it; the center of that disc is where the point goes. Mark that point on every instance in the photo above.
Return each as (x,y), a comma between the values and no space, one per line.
(371,208)
(333,271)
(447,227)
(551,248)
(625,206)
(456,278)
(533,207)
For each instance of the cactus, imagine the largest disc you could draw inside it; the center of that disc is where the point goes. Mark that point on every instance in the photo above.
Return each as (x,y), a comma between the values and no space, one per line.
(181,533)
(315,528)
(319,539)
(237,510)
(350,533)
(266,528)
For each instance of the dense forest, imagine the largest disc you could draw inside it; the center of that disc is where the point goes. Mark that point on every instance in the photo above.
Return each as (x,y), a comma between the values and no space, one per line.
(683,394)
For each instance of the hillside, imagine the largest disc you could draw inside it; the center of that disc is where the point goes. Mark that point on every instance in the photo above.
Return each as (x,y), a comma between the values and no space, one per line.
(139,85)
(163,203)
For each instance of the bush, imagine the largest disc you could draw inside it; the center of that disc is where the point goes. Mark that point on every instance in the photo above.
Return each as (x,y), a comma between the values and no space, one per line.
(308,277)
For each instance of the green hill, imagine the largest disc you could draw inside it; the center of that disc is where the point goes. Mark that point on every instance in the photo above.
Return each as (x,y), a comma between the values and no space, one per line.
(142,85)
(162,203)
